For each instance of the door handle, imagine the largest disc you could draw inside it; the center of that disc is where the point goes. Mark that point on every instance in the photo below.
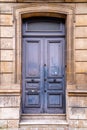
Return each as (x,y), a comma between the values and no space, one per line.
(45,79)
(32,80)
(54,80)
(45,91)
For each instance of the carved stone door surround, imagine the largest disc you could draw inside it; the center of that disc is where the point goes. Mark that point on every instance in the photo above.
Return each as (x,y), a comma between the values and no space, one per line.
(50,10)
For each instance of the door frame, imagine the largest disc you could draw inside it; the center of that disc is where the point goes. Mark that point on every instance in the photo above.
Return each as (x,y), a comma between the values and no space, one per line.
(55,10)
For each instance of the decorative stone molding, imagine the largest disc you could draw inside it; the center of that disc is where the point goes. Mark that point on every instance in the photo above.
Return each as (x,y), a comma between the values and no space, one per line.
(81,93)
(50,10)
(9,92)
(10,89)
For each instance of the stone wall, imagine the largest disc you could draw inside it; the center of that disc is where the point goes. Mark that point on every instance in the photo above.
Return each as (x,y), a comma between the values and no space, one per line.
(10,89)
(78,101)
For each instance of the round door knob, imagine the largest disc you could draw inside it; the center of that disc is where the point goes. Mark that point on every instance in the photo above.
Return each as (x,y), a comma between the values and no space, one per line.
(45,91)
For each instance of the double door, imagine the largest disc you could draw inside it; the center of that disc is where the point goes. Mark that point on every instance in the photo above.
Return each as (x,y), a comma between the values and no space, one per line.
(43,75)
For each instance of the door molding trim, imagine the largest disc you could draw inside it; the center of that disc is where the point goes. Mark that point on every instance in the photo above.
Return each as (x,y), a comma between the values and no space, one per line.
(51,10)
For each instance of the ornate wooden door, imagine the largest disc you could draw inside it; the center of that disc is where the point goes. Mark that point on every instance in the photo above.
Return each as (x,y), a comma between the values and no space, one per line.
(43,75)
(43,68)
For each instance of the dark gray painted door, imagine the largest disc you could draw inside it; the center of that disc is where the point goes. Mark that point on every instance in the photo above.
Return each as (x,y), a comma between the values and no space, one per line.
(43,75)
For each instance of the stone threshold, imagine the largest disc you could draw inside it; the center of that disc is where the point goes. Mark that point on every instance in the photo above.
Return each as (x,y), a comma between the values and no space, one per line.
(43,119)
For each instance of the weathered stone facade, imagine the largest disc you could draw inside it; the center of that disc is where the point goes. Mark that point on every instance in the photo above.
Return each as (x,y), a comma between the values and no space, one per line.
(11,14)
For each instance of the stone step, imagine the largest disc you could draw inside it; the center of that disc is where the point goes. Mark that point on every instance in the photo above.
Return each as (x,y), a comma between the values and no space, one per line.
(44,125)
(43,117)
(43,121)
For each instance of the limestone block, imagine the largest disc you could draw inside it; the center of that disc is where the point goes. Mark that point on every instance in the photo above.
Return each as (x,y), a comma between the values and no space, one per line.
(77,128)
(73,123)
(81,55)
(81,67)
(3,124)
(6,20)
(78,113)
(81,20)
(81,32)
(75,0)
(10,86)
(13,123)
(7,43)
(9,101)
(7,78)
(81,8)
(6,8)
(81,81)
(7,55)
(81,43)
(71,86)
(78,124)
(81,78)
(8,0)
(9,113)
(6,67)
(6,31)
(77,101)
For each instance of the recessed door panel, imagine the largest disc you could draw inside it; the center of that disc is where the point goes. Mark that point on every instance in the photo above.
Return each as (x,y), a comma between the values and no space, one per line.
(32,100)
(30,85)
(32,58)
(55,57)
(55,86)
(54,100)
